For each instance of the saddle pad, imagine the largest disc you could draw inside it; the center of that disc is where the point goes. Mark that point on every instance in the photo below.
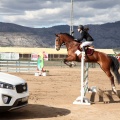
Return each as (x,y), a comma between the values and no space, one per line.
(89,51)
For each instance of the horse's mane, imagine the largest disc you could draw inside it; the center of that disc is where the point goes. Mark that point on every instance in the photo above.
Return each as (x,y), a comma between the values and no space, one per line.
(68,35)
(72,37)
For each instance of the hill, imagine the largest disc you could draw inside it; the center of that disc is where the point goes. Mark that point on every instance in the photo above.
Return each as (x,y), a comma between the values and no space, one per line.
(105,35)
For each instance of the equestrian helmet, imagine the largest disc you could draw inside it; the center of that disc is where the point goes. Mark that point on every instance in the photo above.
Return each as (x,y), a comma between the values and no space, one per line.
(81,27)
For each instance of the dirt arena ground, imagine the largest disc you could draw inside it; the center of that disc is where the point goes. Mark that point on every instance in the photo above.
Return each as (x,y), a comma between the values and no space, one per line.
(51,97)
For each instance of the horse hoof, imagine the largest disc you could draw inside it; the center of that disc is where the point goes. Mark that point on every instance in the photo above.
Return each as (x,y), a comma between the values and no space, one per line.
(70,65)
(115,92)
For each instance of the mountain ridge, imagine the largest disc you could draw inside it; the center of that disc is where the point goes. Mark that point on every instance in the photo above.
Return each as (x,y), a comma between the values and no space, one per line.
(105,35)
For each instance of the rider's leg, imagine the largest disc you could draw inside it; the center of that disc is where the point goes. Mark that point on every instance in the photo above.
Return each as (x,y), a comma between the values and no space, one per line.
(86,43)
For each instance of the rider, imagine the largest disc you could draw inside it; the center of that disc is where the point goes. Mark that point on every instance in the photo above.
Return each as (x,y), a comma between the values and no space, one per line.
(84,35)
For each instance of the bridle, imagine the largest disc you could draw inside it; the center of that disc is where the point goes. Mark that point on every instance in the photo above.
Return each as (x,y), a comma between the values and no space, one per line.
(58,40)
(64,43)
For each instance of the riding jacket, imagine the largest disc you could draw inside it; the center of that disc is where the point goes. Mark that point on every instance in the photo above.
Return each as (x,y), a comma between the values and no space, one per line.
(85,35)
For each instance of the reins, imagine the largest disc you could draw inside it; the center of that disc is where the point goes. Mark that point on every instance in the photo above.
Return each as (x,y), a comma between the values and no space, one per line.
(69,41)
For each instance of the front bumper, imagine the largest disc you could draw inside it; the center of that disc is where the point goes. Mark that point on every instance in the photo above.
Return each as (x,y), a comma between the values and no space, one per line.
(18,104)
(17,100)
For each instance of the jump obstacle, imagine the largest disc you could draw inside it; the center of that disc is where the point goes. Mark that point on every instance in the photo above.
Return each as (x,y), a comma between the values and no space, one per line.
(82,100)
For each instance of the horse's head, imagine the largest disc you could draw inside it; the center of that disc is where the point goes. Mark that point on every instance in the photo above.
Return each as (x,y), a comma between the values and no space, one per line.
(61,39)
(58,41)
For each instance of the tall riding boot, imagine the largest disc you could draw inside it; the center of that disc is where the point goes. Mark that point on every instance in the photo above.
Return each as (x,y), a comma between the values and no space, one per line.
(83,49)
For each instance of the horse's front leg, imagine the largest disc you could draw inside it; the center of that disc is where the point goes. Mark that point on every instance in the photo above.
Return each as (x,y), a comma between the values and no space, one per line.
(68,60)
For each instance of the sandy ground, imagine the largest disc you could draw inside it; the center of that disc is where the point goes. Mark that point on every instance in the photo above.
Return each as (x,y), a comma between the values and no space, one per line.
(51,97)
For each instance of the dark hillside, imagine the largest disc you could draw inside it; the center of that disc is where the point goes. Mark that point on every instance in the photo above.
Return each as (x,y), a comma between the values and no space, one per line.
(105,35)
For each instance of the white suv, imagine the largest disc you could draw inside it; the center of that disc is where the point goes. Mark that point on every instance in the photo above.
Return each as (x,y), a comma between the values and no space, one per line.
(13,92)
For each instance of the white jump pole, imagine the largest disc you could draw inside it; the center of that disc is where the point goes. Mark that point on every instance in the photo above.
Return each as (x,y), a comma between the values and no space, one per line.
(82,100)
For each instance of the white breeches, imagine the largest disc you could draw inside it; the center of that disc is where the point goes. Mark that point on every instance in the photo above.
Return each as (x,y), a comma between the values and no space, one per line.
(86,43)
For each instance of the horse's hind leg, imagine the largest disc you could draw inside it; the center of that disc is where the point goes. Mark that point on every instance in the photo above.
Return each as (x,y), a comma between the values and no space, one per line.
(106,69)
(111,77)
(68,60)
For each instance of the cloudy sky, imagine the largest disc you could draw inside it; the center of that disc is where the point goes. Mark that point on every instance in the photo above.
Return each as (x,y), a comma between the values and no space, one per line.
(47,13)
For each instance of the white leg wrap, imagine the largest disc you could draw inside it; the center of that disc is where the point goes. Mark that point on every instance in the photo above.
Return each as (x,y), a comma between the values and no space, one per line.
(77,52)
(114,90)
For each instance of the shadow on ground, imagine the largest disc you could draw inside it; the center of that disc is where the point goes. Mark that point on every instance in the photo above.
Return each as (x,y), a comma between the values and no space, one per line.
(34,111)
(106,96)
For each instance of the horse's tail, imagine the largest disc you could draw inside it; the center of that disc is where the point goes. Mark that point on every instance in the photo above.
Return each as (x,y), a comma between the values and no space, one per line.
(115,68)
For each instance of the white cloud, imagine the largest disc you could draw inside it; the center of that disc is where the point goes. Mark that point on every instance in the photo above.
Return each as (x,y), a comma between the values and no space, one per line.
(39,13)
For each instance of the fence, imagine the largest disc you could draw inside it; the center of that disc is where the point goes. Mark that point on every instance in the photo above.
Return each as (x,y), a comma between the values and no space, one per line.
(29,66)
(18,66)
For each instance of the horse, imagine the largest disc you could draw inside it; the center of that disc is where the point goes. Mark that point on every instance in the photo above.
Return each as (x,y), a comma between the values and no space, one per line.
(108,64)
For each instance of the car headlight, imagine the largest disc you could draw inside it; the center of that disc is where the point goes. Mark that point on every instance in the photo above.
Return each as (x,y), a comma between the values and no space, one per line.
(6,85)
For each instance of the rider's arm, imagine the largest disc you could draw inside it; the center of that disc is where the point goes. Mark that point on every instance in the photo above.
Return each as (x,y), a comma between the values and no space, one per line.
(81,38)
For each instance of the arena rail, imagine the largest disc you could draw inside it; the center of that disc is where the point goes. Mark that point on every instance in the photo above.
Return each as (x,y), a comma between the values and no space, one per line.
(28,65)
(18,66)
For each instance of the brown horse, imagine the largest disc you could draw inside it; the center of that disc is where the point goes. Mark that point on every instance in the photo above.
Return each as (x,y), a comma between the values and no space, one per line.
(107,63)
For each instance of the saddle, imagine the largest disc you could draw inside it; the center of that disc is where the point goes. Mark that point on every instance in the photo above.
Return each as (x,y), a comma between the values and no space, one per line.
(89,50)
